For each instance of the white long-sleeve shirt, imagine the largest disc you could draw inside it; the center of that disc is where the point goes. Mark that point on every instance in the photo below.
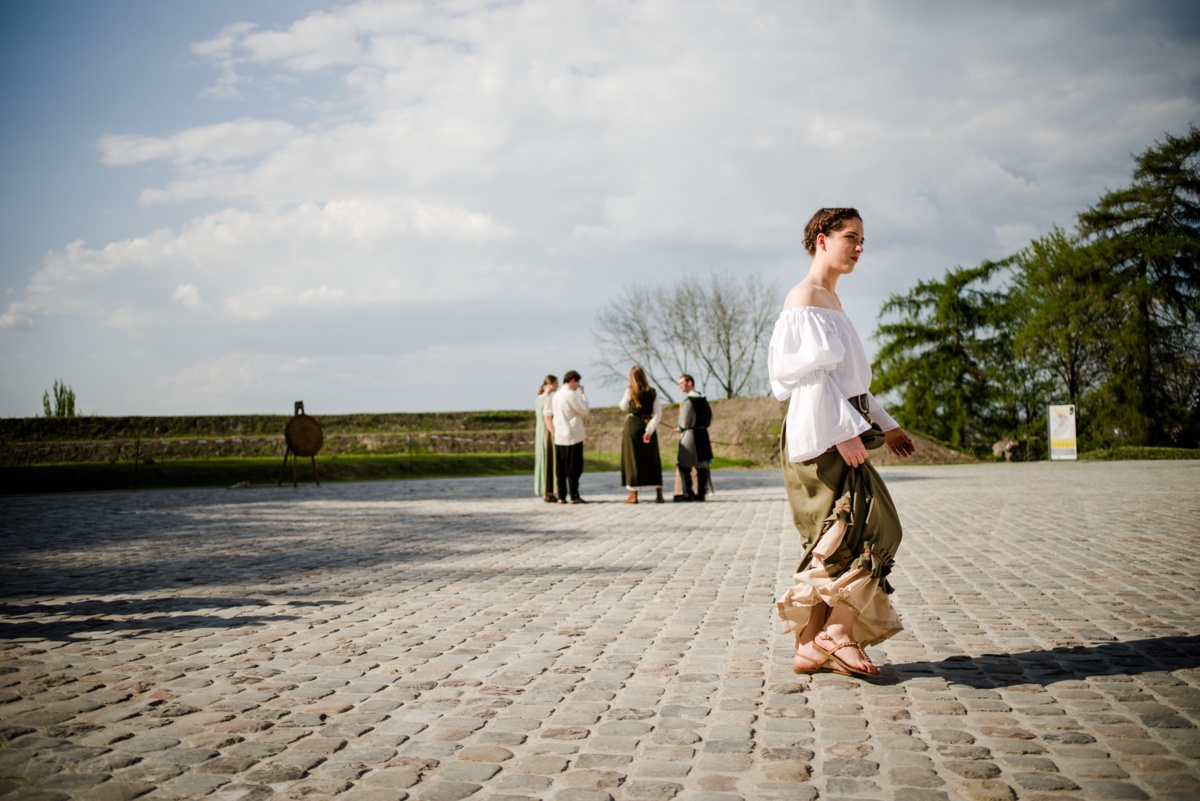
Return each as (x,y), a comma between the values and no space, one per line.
(570,408)
(627,403)
(816,361)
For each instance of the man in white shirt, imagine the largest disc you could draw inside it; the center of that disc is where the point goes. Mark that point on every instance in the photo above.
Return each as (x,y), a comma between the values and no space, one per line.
(570,408)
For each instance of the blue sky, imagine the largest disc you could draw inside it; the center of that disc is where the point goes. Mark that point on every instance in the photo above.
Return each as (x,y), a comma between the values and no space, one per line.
(223,207)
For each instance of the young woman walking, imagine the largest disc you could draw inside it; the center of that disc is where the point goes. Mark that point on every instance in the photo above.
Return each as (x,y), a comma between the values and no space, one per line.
(841,508)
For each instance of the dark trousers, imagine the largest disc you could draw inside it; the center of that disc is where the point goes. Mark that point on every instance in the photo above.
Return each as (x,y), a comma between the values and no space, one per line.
(568,465)
(683,482)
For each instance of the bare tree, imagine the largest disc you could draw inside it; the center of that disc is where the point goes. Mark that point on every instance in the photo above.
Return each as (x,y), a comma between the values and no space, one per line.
(628,333)
(732,329)
(715,327)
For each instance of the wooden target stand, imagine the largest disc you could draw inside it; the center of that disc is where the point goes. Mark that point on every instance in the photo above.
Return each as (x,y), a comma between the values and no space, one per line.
(304,438)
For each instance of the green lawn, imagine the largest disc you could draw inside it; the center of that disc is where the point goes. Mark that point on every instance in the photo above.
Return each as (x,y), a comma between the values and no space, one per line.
(256,471)
(226,472)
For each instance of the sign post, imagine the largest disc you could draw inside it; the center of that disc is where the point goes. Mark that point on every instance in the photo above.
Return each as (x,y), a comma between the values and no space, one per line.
(1062,433)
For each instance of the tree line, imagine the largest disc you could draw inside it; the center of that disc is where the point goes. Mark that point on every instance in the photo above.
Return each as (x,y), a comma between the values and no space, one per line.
(1102,316)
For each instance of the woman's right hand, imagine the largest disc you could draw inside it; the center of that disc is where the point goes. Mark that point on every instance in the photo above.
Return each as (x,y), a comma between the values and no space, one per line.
(853,451)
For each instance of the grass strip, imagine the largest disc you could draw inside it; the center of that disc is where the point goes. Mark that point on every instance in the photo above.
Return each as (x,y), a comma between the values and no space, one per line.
(263,471)
(1138,452)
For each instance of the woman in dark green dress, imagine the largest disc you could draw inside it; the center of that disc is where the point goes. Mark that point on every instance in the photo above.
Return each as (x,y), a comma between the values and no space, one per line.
(641,466)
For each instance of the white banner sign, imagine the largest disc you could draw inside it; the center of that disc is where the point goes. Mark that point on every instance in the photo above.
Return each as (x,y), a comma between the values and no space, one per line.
(1062,432)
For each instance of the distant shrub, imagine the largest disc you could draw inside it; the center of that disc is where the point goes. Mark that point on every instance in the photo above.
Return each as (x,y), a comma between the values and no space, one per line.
(1133,452)
(502,418)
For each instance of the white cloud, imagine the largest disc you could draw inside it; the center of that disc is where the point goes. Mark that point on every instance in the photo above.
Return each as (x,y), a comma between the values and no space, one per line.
(222,45)
(239,380)
(386,157)
(216,380)
(221,50)
(256,264)
(189,296)
(126,318)
(660,124)
(221,142)
(19,315)
(319,296)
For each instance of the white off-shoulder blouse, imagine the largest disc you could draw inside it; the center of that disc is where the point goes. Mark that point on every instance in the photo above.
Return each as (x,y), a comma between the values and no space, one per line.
(816,361)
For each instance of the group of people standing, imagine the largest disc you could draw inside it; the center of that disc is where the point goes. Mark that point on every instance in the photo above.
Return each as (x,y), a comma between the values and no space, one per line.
(560,414)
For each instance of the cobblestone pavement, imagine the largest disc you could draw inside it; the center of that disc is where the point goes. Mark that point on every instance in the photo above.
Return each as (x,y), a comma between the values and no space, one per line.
(439,640)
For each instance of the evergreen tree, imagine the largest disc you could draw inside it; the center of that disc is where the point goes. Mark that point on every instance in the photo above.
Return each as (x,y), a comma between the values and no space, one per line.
(1151,232)
(1020,384)
(940,352)
(1061,319)
(1106,319)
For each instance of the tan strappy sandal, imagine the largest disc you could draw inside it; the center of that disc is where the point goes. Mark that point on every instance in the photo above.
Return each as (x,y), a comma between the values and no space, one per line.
(820,665)
(831,653)
(816,665)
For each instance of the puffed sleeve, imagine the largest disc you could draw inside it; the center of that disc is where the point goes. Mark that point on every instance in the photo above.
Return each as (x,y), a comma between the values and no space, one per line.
(626,400)
(657,415)
(880,415)
(805,348)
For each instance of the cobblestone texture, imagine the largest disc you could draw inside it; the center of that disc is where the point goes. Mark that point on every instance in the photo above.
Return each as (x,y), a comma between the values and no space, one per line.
(457,639)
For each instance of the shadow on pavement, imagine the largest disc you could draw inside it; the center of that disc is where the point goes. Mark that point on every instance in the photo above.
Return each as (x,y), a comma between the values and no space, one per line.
(129,617)
(1079,663)
(182,548)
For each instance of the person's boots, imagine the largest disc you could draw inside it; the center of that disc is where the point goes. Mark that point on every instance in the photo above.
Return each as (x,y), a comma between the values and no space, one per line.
(701,483)
(678,496)
(685,475)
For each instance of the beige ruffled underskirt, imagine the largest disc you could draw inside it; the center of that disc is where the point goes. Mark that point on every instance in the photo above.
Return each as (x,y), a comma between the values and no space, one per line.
(877,618)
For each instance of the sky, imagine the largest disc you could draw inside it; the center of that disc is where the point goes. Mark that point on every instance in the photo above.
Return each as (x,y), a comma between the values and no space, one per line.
(224,207)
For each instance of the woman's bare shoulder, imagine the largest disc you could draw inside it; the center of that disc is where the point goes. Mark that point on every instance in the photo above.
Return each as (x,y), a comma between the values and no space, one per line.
(809,295)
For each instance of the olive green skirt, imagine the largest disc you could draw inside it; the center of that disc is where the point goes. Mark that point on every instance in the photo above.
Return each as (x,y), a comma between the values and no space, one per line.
(850,533)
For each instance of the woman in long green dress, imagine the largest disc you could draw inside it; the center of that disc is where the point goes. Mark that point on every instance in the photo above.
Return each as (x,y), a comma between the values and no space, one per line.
(841,601)
(543,449)
(641,465)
